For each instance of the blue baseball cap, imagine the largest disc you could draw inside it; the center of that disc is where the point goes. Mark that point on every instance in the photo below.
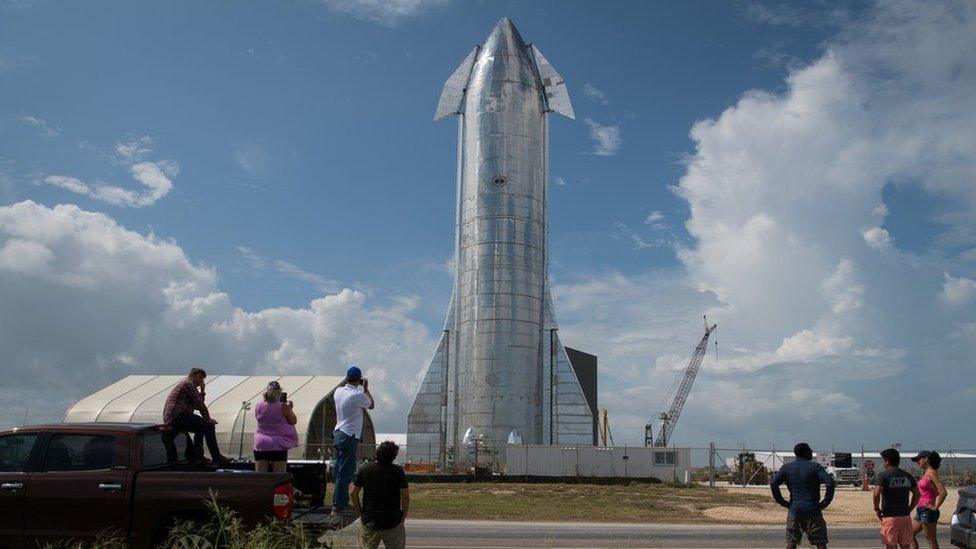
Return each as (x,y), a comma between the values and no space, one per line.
(354,372)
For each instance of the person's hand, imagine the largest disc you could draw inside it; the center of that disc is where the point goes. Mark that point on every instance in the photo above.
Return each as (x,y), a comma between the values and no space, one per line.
(932,507)
(365,384)
(288,405)
(212,421)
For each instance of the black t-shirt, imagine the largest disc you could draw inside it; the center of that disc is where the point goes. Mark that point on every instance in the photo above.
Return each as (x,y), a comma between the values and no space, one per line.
(896,492)
(381,485)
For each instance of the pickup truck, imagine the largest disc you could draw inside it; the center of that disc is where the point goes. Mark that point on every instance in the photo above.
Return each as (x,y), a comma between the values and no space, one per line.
(963,523)
(77,481)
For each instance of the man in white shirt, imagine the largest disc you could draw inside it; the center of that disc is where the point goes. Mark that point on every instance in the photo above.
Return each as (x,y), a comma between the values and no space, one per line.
(350,401)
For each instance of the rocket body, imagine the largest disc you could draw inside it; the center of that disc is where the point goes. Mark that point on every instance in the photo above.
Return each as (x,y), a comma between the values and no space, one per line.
(496,371)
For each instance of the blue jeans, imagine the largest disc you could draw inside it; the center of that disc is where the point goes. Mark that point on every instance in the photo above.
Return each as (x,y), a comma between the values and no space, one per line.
(345,467)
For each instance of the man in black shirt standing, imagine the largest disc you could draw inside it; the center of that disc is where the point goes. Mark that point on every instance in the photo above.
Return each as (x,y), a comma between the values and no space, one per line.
(385,502)
(803,477)
(891,502)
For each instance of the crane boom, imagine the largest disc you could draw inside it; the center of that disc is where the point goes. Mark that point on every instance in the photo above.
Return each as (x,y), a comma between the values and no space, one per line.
(670,418)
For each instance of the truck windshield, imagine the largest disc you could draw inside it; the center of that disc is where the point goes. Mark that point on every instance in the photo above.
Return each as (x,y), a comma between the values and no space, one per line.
(162,448)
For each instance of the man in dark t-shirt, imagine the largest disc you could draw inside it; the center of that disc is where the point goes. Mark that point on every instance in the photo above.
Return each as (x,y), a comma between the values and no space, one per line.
(894,498)
(386,500)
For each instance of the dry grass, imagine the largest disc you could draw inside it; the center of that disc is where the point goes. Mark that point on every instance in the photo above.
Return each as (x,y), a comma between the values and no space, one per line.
(573,502)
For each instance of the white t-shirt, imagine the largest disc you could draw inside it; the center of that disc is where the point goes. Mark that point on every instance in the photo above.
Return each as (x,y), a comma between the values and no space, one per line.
(350,401)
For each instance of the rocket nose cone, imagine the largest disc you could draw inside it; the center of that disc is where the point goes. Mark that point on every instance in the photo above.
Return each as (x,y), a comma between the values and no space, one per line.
(505,38)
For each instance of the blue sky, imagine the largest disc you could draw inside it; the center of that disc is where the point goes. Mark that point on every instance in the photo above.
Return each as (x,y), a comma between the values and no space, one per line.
(292,155)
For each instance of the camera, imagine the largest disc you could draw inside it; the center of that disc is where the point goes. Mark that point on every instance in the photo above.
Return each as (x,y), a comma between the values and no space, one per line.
(284,397)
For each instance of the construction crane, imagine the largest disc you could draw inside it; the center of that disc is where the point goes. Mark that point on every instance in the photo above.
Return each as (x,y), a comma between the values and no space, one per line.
(670,418)
(605,435)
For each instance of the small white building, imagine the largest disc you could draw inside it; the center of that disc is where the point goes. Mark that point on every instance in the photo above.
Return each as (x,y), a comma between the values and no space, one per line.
(664,464)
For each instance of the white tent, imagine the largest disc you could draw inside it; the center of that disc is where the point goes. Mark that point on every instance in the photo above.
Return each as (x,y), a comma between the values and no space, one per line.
(140,399)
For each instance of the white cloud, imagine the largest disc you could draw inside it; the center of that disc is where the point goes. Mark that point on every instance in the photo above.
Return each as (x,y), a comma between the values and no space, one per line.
(591,91)
(134,149)
(957,291)
(384,12)
(877,238)
(654,220)
(606,139)
(261,263)
(87,301)
(156,176)
(561,182)
(783,191)
(42,126)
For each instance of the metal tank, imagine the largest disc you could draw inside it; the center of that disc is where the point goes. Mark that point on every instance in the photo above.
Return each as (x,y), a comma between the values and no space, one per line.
(499,372)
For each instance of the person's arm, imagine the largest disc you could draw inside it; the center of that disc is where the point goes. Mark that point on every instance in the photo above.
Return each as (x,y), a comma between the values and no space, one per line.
(405,502)
(877,500)
(201,401)
(354,499)
(372,402)
(943,493)
(288,409)
(916,495)
(828,482)
(778,479)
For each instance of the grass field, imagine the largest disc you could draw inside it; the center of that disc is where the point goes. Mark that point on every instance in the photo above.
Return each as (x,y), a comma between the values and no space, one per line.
(573,502)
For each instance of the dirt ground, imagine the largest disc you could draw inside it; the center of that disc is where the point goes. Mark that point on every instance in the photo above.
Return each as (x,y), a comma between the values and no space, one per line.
(850,506)
(634,503)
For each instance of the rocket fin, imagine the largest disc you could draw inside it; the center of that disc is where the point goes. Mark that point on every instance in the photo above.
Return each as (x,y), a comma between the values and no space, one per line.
(452,96)
(426,421)
(574,413)
(557,96)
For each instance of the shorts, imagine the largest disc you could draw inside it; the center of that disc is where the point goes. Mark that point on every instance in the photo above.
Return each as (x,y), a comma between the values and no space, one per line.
(394,538)
(813,525)
(897,531)
(925,515)
(271,455)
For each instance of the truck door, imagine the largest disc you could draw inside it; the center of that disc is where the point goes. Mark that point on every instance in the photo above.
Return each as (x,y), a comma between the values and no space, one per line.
(16,451)
(79,490)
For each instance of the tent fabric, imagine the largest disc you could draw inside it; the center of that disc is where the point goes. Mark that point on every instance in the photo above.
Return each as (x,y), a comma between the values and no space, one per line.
(140,399)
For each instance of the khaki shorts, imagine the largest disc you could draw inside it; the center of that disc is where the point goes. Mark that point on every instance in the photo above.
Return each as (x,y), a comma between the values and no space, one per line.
(394,538)
(813,525)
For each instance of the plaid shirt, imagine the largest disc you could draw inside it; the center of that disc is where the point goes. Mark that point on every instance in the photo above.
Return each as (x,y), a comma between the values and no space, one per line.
(183,399)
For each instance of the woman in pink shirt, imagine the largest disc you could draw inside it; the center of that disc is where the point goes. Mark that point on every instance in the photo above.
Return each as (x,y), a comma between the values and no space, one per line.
(276,431)
(933,493)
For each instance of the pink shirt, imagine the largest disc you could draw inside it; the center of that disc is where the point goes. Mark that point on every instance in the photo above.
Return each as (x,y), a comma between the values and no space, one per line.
(273,433)
(928,490)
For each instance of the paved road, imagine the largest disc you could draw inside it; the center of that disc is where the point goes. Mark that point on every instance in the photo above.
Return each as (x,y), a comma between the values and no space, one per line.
(444,534)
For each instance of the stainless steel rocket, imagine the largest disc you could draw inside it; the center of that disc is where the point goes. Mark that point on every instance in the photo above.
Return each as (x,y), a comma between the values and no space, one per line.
(499,371)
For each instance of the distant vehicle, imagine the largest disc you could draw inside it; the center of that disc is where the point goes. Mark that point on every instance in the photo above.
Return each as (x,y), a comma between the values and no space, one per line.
(77,481)
(963,524)
(840,467)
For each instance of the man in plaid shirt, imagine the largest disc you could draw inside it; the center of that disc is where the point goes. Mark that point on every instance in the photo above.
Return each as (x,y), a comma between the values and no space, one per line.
(186,397)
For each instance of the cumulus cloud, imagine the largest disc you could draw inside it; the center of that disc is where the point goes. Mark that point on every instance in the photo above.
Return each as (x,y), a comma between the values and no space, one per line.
(606,138)
(785,192)
(957,291)
(594,93)
(156,176)
(87,301)
(384,12)
(42,126)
